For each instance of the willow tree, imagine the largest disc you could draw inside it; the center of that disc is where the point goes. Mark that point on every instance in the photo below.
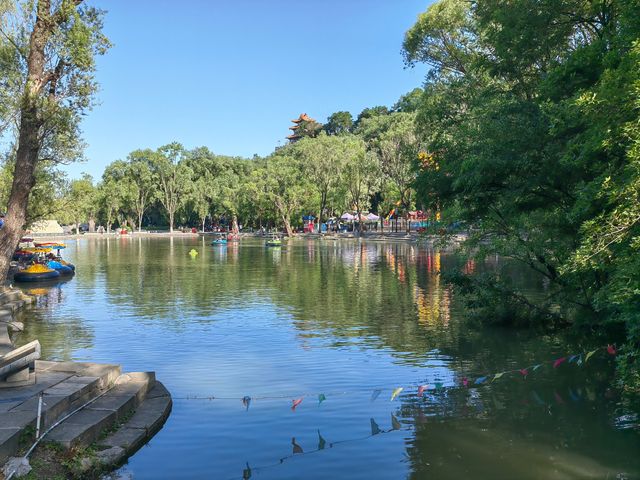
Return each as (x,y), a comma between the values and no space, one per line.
(49,82)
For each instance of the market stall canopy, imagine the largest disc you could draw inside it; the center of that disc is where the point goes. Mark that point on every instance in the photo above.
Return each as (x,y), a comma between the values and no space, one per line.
(372,217)
(347,216)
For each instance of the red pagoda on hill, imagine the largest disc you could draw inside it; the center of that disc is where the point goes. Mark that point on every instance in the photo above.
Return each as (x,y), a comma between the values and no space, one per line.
(298,122)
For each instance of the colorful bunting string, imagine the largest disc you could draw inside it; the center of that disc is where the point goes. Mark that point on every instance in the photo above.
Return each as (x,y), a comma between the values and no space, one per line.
(437,385)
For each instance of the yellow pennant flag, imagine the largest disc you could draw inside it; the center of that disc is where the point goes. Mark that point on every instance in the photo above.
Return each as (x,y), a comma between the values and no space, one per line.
(586,359)
(497,376)
(395,393)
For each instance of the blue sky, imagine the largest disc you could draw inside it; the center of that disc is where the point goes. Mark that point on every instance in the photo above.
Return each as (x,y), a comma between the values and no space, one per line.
(231,74)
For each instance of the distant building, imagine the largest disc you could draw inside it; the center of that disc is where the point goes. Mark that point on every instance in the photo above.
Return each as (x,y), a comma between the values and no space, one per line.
(297,124)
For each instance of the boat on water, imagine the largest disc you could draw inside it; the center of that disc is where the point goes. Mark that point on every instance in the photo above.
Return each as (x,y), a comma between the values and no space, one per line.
(219,239)
(36,273)
(274,241)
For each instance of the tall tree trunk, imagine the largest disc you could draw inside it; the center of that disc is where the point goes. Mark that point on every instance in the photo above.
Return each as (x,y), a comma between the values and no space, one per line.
(287,225)
(23,181)
(171,222)
(234,225)
(28,141)
(203,220)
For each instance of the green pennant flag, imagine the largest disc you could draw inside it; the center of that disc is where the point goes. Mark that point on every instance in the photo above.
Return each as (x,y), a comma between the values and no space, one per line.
(438,385)
(497,376)
(589,355)
(395,393)
(321,398)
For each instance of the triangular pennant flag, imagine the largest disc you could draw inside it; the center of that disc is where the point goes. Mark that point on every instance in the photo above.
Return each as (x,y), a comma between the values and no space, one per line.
(579,361)
(297,449)
(611,350)
(590,354)
(558,398)
(296,402)
(321,398)
(421,390)
(572,358)
(375,394)
(524,372)
(438,385)
(480,380)
(536,367)
(374,427)
(558,361)
(246,401)
(395,393)
(465,381)
(395,424)
(497,376)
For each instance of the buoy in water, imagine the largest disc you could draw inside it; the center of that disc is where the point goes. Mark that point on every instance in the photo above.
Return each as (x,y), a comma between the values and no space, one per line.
(193,252)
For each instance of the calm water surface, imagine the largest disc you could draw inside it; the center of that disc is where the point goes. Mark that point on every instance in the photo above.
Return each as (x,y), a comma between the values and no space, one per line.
(341,319)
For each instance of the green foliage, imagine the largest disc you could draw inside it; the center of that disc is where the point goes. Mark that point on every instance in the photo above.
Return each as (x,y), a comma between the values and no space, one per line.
(338,123)
(530,115)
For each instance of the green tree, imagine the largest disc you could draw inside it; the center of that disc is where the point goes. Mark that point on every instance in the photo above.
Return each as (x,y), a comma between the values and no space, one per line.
(51,73)
(173,177)
(80,202)
(361,176)
(140,180)
(338,123)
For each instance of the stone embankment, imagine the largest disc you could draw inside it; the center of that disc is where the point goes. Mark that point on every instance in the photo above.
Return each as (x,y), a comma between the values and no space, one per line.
(92,413)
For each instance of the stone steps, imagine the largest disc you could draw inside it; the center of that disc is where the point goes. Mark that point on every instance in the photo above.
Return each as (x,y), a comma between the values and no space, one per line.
(109,411)
(148,418)
(65,386)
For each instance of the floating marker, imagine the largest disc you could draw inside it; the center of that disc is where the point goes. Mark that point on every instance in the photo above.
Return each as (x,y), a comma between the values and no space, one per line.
(421,390)
(524,372)
(465,381)
(611,350)
(559,361)
(296,402)
(497,376)
(321,398)
(246,401)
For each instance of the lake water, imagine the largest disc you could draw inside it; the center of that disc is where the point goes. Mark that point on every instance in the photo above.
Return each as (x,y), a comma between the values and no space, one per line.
(334,323)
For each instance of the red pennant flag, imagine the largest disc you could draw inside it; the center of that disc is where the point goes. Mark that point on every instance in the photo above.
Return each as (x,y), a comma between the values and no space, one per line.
(296,402)
(421,390)
(465,381)
(524,372)
(557,363)
(611,350)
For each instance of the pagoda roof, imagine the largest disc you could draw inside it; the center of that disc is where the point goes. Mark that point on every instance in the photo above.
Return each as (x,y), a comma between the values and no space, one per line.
(303,118)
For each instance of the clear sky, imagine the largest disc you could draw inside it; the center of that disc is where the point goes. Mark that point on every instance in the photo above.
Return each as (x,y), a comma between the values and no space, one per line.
(231,74)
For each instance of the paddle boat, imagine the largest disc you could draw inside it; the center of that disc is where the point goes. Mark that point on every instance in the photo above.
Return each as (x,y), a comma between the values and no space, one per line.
(36,273)
(274,241)
(220,239)
(61,267)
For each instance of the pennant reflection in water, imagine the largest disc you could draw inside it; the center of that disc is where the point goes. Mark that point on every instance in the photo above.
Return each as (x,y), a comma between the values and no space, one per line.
(375,394)
(375,429)
(246,401)
(395,424)
(321,441)
(296,448)
(246,473)
(321,398)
